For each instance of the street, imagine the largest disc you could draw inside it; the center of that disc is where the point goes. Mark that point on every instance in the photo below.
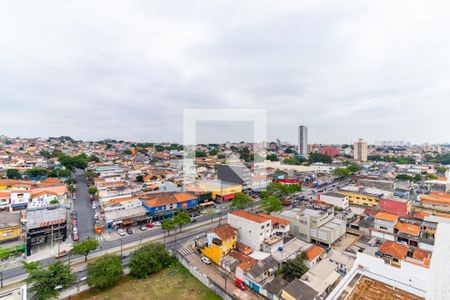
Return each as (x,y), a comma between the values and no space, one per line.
(83,207)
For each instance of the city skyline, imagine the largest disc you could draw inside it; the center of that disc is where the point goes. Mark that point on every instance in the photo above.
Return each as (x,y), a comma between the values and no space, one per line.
(338,73)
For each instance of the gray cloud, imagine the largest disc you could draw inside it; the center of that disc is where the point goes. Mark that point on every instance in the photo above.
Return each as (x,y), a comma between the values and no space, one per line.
(377,70)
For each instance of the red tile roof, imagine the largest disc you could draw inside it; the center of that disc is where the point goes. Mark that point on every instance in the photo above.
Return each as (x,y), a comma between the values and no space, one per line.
(386,217)
(394,249)
(313,252)
(249,216)
(184,197)
(275,220)
(408,228)
(225,232)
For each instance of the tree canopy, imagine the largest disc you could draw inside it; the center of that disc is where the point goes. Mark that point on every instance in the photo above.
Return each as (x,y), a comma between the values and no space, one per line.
(148,259)
(241,201)
(294,268)
(271,203)
(319,157)
(44,281)
(181,219)
(84,247)
(13,174)
(105,271)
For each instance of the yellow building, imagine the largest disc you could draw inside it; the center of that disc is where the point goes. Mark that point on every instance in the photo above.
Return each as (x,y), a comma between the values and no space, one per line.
(218,243)
(361,198)
(219,189)
(10,228)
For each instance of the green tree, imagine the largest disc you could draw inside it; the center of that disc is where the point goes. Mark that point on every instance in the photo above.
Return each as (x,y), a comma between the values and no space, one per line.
(441,170)
(181,219)
(294,268)
(213,152)
(272,157)
(148,259)
(127,152)
(94,158)
(404,177)
(92,190)
(318,157)
(44,281)
(167,226)
(241,201)
(341,172)
(139,178)
(37,172)
(432,176)
(84,247)
(105,271)
(271,203)
(13,174)
(353,167)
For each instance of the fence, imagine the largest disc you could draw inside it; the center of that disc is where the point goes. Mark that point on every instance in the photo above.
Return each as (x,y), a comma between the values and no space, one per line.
(204,279)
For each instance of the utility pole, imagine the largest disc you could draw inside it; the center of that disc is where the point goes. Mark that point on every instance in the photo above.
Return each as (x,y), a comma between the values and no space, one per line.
(1,279)
(121,248)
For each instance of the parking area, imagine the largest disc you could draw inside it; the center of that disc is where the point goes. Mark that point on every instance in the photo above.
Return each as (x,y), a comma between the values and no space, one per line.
(214,273)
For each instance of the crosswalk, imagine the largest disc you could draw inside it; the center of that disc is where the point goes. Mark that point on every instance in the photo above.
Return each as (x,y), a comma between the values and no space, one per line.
(186,251)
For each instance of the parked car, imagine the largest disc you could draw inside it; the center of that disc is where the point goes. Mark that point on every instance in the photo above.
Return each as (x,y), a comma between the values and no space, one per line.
(75,237)
(240,284)
(130,230)
(121,232)
(142,227)
(74,215)
(206,260)
(74,229)
(157,223)
(149,225)
(193,220)
(94,206)
(62,254)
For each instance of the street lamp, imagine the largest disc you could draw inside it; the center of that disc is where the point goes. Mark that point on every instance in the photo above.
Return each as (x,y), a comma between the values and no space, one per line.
(225,277)
(121,248)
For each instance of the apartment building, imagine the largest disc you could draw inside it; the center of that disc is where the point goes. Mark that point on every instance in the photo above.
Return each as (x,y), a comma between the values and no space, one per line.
(384,226)
(364,196)
(314,224)
(259,231)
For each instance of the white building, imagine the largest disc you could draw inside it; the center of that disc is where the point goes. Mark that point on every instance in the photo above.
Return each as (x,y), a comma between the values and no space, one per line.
(259,231)
(302,140)
(335,199)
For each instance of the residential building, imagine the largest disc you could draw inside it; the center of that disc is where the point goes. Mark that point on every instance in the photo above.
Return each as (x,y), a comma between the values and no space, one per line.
(384,226)
(360,150)
(314,224)
(10,227)
(313,255)
(364,196)
(330,151)
(259,231)
(257,273)
(218,243)
(335,199)
(436,202)
(302,140)
(397,206)
(298,290)
(126,211)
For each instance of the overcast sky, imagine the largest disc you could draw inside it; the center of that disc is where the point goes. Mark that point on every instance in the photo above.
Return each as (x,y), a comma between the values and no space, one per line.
(379,70)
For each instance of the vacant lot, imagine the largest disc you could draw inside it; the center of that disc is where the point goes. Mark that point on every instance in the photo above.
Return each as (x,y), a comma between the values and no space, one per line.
(172,283)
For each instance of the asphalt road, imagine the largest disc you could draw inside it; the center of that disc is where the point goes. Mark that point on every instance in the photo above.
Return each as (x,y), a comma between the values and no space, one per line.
(82,205)
(105,245)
